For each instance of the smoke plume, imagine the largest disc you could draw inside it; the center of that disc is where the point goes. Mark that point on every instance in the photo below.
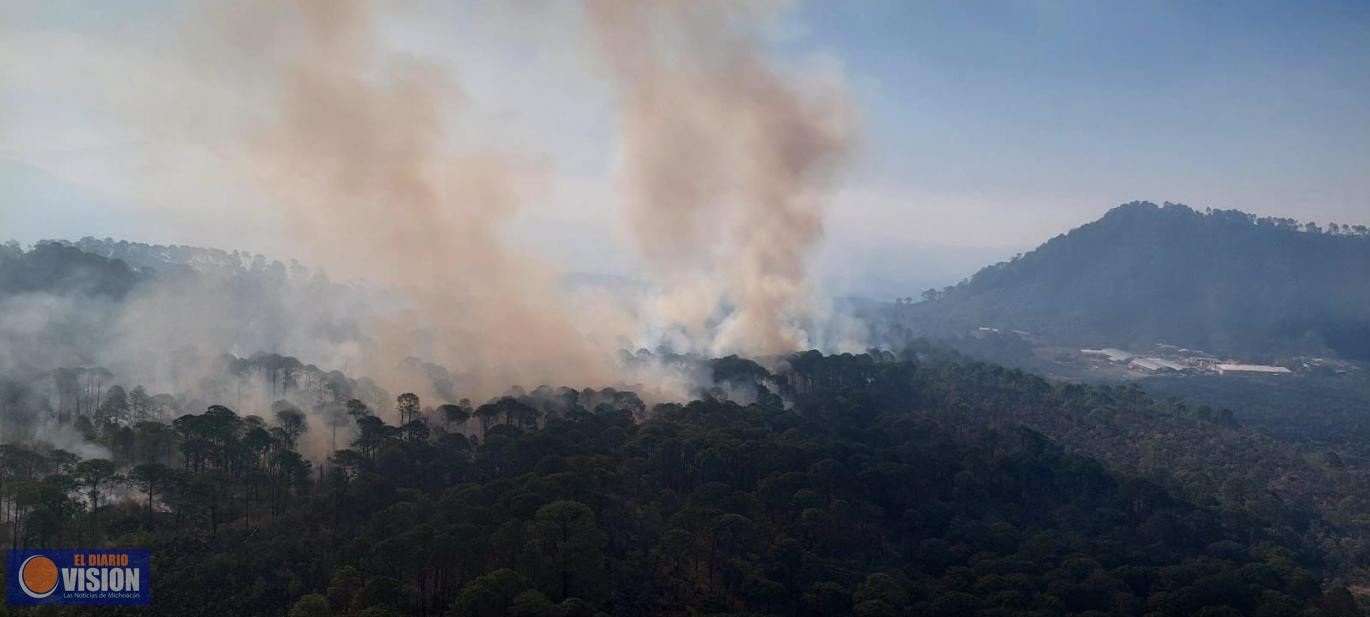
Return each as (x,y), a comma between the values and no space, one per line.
(362,159)
(357,151)
(726,159)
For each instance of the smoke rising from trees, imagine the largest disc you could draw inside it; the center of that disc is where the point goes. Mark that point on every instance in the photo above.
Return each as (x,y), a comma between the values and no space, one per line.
(359,155)
(726,159)
(356,152)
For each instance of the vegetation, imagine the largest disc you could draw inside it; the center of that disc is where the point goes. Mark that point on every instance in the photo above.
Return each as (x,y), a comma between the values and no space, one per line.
(59,268)
(918,483)
(1223,281)
(1321,410)
(867,485)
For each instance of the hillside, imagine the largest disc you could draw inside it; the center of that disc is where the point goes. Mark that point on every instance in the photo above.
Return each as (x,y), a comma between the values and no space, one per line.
(61,269)
(139,309)
(889,485)
(1223,281)
(885,483)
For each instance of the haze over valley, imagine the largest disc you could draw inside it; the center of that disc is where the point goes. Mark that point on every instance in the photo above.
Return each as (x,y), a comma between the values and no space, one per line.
(464,309)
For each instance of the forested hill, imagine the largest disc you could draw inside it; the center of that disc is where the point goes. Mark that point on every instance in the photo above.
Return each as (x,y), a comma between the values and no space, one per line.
(854,485)
(57,268)
(90,303)
(1223,281)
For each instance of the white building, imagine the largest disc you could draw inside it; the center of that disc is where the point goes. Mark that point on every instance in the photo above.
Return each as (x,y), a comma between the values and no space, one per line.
(1113,354)
(1262,369)
(1155,365)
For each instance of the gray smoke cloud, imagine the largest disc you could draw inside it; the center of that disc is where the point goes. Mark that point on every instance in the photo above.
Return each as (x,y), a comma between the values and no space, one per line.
(356,152)
(728,161)
(360,157)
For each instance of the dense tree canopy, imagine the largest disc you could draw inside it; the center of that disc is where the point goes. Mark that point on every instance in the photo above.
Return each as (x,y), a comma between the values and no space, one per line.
(871,484)
(1224,281)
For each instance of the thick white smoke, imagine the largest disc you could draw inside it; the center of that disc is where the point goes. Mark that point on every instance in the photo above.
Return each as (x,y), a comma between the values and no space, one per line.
(728,161)
(351,146)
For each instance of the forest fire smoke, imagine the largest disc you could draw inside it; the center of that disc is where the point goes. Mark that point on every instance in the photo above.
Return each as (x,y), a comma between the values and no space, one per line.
(724,156)
(359,155)
(726,160)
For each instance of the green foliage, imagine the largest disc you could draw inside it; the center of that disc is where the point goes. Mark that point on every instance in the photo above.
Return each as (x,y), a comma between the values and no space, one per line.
(56,268)
(1223,281)
(863,485)
(311,605)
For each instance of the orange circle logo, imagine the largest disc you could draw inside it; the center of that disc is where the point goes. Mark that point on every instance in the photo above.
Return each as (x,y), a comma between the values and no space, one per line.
(38,576)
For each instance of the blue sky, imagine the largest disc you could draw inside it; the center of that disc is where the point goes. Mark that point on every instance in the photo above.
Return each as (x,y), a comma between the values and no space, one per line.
(987,127)
(1071,106)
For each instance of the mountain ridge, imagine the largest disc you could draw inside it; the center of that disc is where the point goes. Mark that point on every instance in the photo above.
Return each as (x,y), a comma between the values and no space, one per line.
(1221,280)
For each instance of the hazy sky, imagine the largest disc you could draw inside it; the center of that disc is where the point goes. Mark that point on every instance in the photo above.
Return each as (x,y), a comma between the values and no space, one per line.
(986,127)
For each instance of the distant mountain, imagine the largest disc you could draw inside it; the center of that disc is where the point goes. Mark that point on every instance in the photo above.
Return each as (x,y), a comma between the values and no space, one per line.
(1223,281)
(135,308)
